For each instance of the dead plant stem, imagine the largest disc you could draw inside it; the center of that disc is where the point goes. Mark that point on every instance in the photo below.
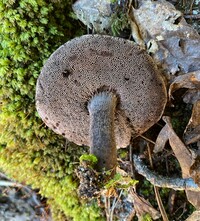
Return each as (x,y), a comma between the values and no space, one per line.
(147,139)
(156,190)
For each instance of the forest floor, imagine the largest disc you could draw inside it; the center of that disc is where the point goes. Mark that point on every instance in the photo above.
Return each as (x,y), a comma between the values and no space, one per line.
(20,203)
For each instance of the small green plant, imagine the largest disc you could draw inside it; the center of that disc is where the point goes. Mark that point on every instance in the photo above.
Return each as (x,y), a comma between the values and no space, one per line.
(119,23)
(113,1)
(91,159)
(121,182)
(123,153)
(146,217)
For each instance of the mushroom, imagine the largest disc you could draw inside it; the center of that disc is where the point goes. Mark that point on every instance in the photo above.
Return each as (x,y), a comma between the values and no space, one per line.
(100,91)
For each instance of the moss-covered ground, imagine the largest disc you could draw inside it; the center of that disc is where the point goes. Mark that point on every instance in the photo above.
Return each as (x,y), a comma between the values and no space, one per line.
(30,30)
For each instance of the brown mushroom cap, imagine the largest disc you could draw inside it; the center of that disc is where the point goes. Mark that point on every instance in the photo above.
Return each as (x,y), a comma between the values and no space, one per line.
(90,64)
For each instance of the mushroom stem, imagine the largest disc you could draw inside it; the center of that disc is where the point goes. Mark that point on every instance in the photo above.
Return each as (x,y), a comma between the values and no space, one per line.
(102,137)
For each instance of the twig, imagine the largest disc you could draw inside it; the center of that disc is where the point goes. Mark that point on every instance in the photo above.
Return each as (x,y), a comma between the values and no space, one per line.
(160,204)
(156,190)
(164,155)
(197,16)
(10,184)
(107,208)
(160,181)
(150,158)
(131,161)
(184,210)
(115,202)
(147,139)
(191,5)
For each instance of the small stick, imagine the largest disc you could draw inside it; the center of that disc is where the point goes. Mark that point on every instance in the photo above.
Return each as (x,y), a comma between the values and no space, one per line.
(191,5)
(160,204)
(156,190)
(147,139)
(192,16)
(10,184)
(131,161)
(160,181)
(115,202)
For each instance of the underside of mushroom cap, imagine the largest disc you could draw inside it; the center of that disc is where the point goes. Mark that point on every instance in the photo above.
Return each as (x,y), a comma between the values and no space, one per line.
(89,64)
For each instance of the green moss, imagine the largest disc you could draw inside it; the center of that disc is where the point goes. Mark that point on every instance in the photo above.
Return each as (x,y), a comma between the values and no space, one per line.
(121,182)
(119,23)
(123,153)
(90,158)
(146,217)
(30,30)
(119,20)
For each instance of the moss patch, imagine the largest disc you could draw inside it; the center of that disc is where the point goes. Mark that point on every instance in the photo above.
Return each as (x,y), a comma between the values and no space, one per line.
(30,30)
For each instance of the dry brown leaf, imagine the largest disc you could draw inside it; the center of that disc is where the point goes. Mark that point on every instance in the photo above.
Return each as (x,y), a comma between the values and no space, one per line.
(95,14)
(190,164)
(190,81)
(192,132)
(135,32)
(161,139)
(111,192)
(163,28)
(191,96)
(142,206)
(182,153)
(195,171)
(194,217)
(194,199)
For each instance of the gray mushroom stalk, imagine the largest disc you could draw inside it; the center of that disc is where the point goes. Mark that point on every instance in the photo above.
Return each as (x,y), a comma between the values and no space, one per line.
(102,109)
(100,91)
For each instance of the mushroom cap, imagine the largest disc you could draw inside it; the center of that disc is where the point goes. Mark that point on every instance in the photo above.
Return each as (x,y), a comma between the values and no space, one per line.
(89,64)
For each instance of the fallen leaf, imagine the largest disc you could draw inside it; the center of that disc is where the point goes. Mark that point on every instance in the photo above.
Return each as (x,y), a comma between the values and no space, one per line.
(161,139)
(189,162)
(194,217)
(194,199)
(195,170)
(143,207)
(182,153)
(94,14)
(177,42)
(191,96)
(121,171)
(190,81)
(111,192)
(192,131)
(135,32)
